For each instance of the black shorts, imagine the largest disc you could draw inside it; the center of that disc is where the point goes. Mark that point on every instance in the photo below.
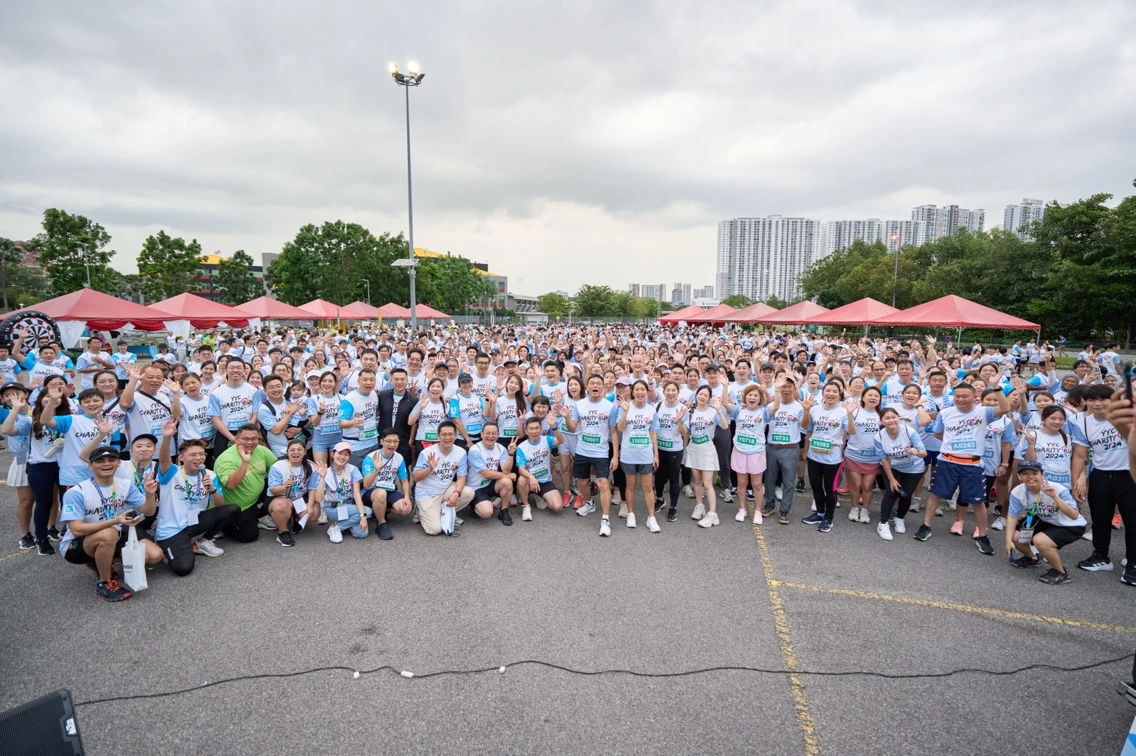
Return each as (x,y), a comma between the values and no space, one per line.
(76,554)
(1059,534)
(546,487)
(583,467)
(488,492)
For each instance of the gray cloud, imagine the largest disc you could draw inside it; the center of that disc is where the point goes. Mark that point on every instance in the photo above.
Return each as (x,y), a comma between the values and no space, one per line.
(560,142)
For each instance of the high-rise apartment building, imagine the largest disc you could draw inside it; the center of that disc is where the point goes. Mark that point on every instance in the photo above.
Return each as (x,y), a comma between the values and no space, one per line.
(680,293)
(947,220)
(634,289)
(657,292)
(904,233)
(841,234)
(1019,218)
(706,292)
(765,257)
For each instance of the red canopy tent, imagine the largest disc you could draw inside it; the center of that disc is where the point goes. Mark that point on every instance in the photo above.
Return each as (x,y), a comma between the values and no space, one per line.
(793,314)
(363,308)
(861,312)
(428,313)
(203,313)
(716,314)
(391,310)
(751,313)
(321,309)
(953,311)
(672,318)
(268,308)
(102,312)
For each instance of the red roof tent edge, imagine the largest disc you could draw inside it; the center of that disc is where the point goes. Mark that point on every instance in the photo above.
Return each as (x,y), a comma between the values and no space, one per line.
(677,315)
(324,310)
(392,310)
(202,312)
(861,312)
(716,314)
(428,312)
(751,312)
(91,305)
(793,314)
(953,311)
(283,310)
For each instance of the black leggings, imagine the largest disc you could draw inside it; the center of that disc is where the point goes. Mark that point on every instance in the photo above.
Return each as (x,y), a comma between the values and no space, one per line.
(822,479)
(1108,490)
(42,479)
(724,444)
(178,548)
(670,466)
(907,484)
(618,479)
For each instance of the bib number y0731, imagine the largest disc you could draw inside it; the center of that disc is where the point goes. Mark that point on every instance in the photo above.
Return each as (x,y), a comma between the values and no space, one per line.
(820,444)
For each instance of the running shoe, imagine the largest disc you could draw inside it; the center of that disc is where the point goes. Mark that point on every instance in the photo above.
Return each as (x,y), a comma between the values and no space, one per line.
(1025,562)
(672,514)
(814,519)
(266,523)
(699,511)
(709,521)
(53,535)
(783,518)
(1129,575)
(854,514)
(844,490)
(1053,577)
(998,524)
(727,495)
(586,509)
(384,531)
(825,525)
(914,504)
(768,509)
(630,519)
(884,531)
(27,542)
(334,534)
(954,505)
(206,548)
(778,494)
(898,525)
(865,516)
(800,485)
(1116,522)
(923,533)
(540,502)
(322,518)
(605,527)
(622,509)
(938,511)
(757,517)
(111,591)
(1095,563)
(285,539)
(652,525)
(740,516)
(45,547)
(983,544)
(504,516)
(526,513)
(956,528)
(687,491)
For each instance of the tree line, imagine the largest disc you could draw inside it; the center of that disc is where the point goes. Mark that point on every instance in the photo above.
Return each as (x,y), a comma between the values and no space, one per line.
(591,301)
(337,261)
(1076,276)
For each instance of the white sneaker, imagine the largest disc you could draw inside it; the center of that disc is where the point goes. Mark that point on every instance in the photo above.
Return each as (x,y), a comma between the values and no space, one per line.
(757,518)
(687,491)
(741,515)
(630,519)
(854,514)
(334,534)
(322,518)
(526,513)
(778,494)
(899,526)
(540,502)
(998,524)
(813,506)
(622,509)
(616,497)
(954,505)
(652,525)
(586,509)
(914,504)
(727,495)
(884,531)
(1088,536)
(709,521)
(865,516)
(266,523)
(205,547)
(605,527)
(699,512)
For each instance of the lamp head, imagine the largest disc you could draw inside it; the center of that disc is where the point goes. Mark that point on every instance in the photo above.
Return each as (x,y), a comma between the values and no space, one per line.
(412,68)
(393,67)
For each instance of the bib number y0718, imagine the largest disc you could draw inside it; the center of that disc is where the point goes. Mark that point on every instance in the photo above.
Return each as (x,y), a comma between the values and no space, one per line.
(820,444)
(746,441)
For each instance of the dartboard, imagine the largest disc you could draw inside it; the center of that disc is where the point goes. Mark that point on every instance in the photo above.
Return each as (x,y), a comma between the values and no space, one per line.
(35,324)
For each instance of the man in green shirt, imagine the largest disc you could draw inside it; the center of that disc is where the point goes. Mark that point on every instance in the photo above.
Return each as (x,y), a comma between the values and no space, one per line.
(243,472)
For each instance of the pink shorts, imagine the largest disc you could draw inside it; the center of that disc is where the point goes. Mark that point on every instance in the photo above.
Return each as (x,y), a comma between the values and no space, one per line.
(863,468)
(749,464)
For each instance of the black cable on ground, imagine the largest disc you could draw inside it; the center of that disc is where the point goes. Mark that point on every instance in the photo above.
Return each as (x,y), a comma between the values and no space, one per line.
(630,672)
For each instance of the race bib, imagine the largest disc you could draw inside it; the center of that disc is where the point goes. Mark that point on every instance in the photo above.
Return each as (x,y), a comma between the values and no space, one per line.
(1025,535)
(963,446)
(430,436)
(541,473)
(820,444)
(370,432)
(699,439)
(781,438)
(589,438)
(343,513)
(639,440)
(299,506)
(745,441)
(509,432)
(666,443)
(386,485)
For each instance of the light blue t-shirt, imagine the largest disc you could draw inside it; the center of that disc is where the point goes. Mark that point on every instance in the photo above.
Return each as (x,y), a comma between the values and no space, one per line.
(537,458)
(391,470)
(182,498)
(596,419)
(90,502)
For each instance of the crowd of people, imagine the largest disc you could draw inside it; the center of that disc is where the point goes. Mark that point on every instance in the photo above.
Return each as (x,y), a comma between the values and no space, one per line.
(290,431)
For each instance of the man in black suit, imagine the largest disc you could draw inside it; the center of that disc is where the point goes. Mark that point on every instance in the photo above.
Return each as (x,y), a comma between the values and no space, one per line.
(395,405)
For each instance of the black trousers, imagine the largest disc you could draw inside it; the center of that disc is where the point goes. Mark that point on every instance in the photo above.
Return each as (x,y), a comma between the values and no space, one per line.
(243,526)
(669,471)
(724,444)
(1108,490)
(822,479)
(178,548)
(907,484)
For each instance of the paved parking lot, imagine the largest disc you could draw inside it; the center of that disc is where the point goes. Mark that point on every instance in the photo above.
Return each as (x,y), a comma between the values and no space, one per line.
(783,598)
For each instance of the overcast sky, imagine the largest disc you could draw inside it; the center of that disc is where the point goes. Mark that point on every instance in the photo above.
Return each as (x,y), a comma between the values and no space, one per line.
(560,142)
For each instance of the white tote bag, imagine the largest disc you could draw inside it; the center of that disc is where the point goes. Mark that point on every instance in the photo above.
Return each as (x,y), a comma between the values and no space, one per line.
(134,563)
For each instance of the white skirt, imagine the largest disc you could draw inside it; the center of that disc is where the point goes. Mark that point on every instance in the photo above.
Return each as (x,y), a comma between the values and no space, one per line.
(701,457)
(17,475)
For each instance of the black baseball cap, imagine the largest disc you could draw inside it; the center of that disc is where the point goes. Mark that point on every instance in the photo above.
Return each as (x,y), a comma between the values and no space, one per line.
(1029,464)
(14,385)
(104,452)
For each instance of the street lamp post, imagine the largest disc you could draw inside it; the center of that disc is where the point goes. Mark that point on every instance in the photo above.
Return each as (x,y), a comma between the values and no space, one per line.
(368,285)
(412,78)
(895,277)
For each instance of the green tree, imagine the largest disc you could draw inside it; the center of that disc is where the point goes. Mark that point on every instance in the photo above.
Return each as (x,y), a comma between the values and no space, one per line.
(169,266)
(22,285)
(777,303)
(554,305)
(235,281)
(737,301)
(593,301)
(451,283)
(331,262)
(68,247)
(126,286)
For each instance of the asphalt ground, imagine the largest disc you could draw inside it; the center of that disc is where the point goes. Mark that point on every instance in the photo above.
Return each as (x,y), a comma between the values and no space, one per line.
(552,590)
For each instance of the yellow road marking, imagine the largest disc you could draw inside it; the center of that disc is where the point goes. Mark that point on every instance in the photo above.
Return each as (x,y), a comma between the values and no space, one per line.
(781,623)
(967,608)
(15,554)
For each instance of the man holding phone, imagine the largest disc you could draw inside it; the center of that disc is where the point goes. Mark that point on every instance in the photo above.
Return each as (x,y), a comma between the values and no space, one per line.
(96,512)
